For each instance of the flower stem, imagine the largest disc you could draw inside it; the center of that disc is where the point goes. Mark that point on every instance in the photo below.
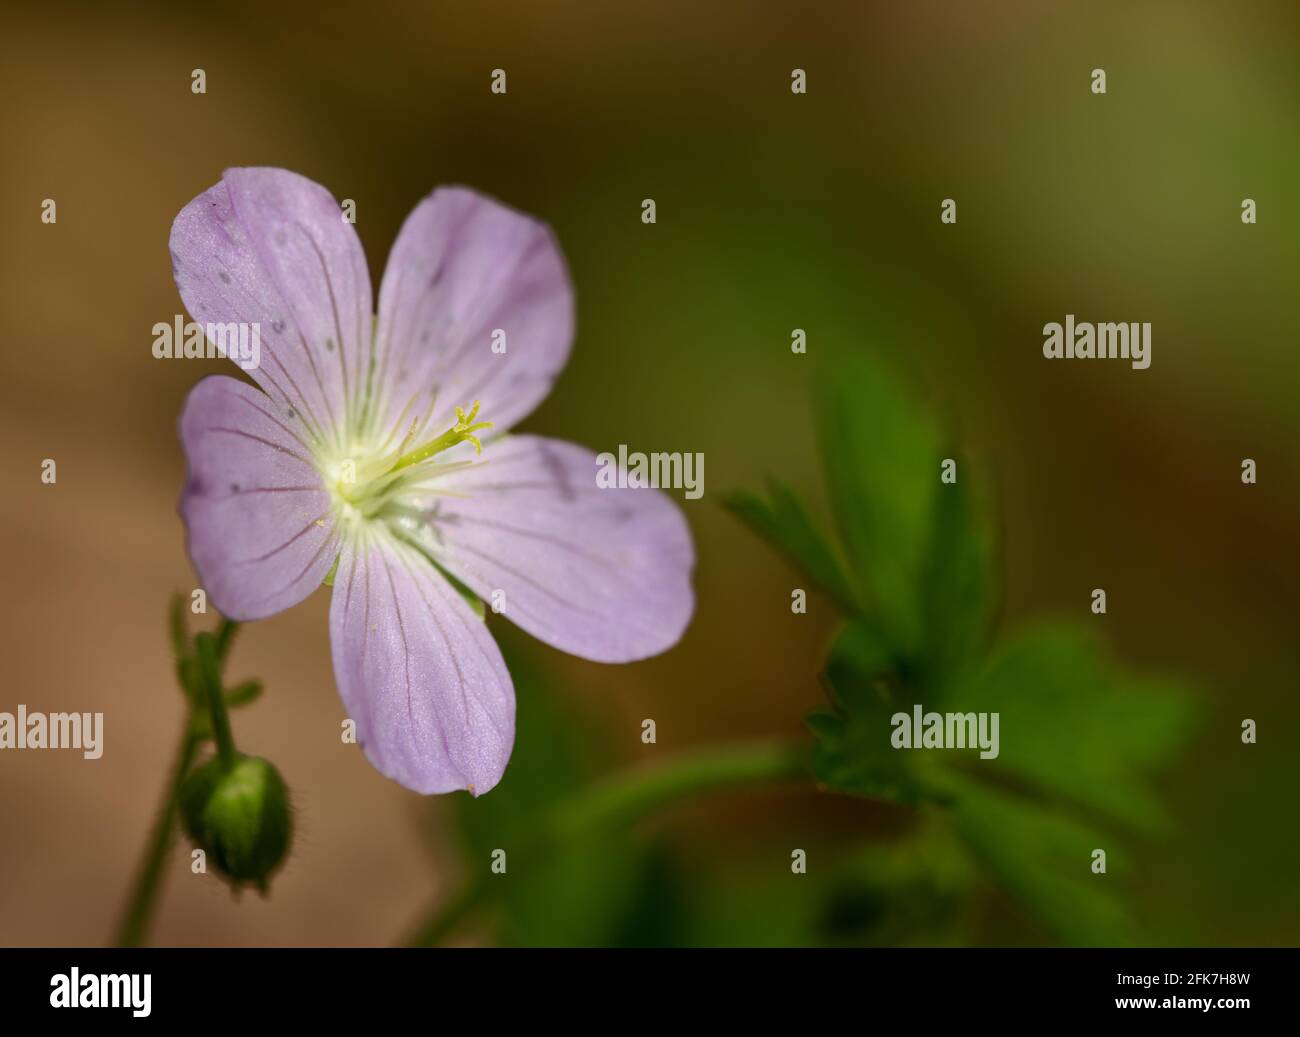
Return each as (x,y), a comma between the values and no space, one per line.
(144,895)
(633,793)
(623,798)
(209,651)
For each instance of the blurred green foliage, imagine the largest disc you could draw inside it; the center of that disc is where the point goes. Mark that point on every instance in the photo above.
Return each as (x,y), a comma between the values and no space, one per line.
(605,883)
(1079,737)
(576,892)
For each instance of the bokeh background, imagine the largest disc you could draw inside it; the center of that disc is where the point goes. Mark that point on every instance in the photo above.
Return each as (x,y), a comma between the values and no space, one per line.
(775,211)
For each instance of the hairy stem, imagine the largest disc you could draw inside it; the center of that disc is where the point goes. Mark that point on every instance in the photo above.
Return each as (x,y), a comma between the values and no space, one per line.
(148,883)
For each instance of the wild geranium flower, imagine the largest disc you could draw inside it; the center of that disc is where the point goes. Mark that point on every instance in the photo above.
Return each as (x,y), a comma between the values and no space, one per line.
(374,457)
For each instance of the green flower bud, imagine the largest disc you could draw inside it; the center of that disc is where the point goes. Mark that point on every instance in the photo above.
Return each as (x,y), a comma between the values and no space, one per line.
(239,817)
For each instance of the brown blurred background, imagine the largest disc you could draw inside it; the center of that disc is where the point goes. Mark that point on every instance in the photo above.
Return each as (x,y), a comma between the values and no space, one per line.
(775,211)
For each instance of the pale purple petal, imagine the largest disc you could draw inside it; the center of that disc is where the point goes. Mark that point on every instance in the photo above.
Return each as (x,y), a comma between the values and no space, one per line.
(465,271)
(418,671)
(600,573)
(261,534)
(270,247)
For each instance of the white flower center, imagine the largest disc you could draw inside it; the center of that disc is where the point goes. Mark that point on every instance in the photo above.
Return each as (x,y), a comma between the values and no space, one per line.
(370,481)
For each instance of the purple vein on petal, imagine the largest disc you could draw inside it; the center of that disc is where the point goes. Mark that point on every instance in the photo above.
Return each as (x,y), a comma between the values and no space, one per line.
(546,538)
(332,539)
(460,676)
(524,577)
(265,442)
(406,645)
(271,418)
(313,524)
(314,425)
(334,307)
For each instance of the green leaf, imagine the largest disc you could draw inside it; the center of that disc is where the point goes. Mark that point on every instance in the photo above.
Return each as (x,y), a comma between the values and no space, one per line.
(1076,726)
(244,693)
(1077,735)
(1079,739)
(881,460)
(852,752)
(958,588)
(861,667)
(783,522)
(1043,858)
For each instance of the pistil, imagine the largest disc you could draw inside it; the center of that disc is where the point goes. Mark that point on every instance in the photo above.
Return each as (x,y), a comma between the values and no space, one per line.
(462,431)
